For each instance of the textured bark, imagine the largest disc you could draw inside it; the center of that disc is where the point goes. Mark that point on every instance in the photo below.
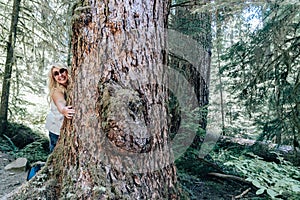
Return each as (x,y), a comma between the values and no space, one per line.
(8,66)
(117,146)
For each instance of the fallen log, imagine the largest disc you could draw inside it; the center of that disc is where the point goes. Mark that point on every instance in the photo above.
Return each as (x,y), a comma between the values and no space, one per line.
(266,150)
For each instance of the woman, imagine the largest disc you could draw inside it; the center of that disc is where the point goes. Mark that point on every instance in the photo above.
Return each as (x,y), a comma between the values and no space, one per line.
(58,83)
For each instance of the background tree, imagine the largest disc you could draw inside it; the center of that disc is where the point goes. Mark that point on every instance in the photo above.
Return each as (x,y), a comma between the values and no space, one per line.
(192,59)
(230,23)
(8,65)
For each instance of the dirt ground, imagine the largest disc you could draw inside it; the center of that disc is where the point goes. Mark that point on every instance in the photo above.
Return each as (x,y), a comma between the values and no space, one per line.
(218,189)
(9,180)
(210,189)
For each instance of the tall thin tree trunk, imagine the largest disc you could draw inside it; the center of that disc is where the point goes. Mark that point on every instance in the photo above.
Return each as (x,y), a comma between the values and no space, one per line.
(219,43)
(8,66)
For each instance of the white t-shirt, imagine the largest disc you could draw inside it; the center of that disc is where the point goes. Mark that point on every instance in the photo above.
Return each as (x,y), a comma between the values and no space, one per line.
(54,119)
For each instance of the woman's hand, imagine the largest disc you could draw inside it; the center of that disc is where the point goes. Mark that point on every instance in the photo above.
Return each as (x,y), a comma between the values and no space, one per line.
(68,112)
(60,102)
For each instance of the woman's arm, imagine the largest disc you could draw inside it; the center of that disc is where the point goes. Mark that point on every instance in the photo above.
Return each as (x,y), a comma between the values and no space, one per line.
(60,102)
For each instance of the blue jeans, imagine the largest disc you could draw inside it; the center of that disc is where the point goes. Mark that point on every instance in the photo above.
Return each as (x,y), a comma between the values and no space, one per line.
(53,140)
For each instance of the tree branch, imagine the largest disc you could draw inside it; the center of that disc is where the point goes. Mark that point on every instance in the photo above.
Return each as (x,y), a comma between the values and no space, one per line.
(242,194)
(188,3)
(226,176)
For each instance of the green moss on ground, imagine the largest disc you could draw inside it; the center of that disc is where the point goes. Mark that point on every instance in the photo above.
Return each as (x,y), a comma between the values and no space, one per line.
(21,141)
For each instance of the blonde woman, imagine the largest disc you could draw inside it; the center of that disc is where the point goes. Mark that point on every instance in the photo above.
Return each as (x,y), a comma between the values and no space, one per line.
(58,83)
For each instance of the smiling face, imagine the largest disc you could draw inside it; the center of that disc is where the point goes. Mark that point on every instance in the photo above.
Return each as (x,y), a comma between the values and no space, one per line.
(60,75)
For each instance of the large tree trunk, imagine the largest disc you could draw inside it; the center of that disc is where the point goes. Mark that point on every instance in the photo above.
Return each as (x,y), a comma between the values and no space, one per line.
(8,66)
(117,146)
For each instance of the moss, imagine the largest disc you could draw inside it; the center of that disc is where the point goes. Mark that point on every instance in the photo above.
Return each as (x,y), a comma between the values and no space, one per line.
(22,141)
(21,135)
(35,151)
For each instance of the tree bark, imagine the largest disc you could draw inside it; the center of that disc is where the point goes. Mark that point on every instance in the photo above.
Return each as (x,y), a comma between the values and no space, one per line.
(8,66)
(117,146)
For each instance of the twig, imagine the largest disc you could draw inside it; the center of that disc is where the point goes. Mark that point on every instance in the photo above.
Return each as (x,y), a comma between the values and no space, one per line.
(242,194)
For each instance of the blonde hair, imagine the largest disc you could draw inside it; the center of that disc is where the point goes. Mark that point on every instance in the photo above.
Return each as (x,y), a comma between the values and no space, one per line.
(53,85)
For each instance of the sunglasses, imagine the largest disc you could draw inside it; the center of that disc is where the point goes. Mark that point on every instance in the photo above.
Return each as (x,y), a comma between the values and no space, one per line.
(61,71)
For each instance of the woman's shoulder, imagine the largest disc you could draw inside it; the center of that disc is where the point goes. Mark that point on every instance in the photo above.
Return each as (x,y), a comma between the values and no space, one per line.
(58,90)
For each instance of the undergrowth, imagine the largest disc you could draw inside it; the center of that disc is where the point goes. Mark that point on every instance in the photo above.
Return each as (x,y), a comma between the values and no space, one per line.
(21,141)
(277,180)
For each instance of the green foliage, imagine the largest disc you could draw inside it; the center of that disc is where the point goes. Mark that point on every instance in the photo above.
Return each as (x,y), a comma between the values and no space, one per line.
(11,144)
(19,135)
(196,25)
(189,163)
(6,145)
(22,141)
(263,70)
(35,151)
(189,130)
(277,180)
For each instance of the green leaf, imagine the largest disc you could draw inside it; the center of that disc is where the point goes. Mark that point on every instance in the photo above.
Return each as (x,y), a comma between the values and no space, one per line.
(296,188)
(249,179)
(260,191)
(256,183)
(229,163)
(272,193)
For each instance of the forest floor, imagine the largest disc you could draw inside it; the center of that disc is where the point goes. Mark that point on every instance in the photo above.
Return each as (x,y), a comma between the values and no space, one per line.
(210,188)
(9,180)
